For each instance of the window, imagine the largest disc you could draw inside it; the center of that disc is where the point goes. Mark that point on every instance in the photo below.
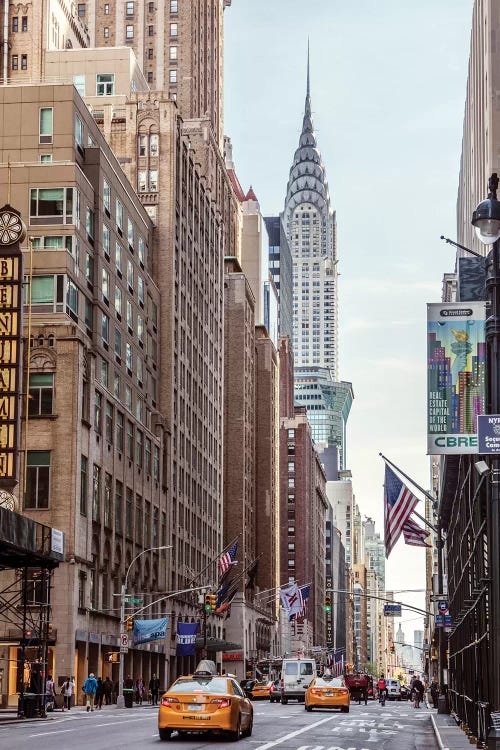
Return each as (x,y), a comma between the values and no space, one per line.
(142,251)
(128,356)
(156,464)
(89,224)
(119,215)
(118,259)
(140,372)
(142,183)
(130,275)
(118,507)
(130,317)
(37,480)
(15,62)
(151,30)
(140,329)
(118,344)
(105,285)
(45,158)
(78,131)
(81,10)
(173,29)
(105,329)
(98,412)
(147,452)
(173,76)
(52,205)
(129,9)
(130,440)
(153,144)
(24,62)
(41,394)
(24,23)
(105,84)
(106,32)
(89,269)
(106,196)
(142,144)
(108,422)
(104,373)
(173,53)
(119,431)
(42,290)
(150,77)
(72,300)
(106,9)
(129,514)
(150,53)
(105,240)
(130,232)
(128,397)
(79,83)
(153,180)
(173,6)
(139,448)
(129,31)
(96,493)
(83,484)
(46,124)
(118,301)
(140,290)
(15,24)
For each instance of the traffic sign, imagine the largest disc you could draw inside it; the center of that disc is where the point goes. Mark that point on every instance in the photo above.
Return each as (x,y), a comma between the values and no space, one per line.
(443,606)
(124,651)
(439,621)
(133,600)
(124,642)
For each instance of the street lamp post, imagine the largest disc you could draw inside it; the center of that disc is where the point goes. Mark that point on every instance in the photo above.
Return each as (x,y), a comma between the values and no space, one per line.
(486,222)
(120,701)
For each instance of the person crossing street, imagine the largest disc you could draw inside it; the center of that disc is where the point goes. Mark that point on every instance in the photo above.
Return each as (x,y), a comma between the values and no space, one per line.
(90,689)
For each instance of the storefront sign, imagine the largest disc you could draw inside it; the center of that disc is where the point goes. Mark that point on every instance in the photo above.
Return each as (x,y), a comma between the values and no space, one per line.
(232,656)
(456,376)
(12,231)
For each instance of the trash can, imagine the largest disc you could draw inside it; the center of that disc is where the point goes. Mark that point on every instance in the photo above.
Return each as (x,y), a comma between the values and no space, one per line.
(128,696)
(27,705)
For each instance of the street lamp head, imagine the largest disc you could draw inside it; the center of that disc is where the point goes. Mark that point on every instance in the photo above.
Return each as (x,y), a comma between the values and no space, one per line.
(486,217)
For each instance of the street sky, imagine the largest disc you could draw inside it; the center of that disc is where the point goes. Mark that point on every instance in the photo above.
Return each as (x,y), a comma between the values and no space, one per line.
(388,84)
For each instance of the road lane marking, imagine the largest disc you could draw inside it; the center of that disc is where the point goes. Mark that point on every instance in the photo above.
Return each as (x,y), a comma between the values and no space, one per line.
(289,736)
(76,729)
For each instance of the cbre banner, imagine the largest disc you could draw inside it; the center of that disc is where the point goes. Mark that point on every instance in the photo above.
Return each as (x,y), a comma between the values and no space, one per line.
(456,376)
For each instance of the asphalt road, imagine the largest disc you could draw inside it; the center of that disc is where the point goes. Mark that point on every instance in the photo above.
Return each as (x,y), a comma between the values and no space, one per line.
(397,726)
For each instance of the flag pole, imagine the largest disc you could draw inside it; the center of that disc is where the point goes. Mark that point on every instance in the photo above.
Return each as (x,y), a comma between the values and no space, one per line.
(214,559)
(421,489)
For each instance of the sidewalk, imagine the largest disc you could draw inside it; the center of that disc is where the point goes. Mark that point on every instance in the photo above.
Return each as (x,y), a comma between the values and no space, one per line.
(448,733)
(9,715)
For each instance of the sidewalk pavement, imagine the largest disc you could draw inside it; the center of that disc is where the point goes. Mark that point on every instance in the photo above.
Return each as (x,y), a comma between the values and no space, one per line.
(9,715)
(448,733)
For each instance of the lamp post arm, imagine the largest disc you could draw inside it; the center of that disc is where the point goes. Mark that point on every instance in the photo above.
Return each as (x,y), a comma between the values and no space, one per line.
(461,247)
(382,599)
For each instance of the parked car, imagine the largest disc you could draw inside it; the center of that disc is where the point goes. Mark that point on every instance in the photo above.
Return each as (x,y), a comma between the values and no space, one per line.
(275,692)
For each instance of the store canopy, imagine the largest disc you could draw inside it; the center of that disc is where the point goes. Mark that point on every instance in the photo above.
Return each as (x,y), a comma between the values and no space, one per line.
(216,644)
(27,543)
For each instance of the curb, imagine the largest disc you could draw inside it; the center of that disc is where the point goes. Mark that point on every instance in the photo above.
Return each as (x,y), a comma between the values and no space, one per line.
(438,736)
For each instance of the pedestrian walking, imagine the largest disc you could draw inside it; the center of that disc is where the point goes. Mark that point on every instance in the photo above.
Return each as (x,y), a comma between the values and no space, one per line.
(49,693)
(434,693)
(68,689)
(139,690)
(418,692)
(108,690)
(90,688)
(154,689)
(99,693)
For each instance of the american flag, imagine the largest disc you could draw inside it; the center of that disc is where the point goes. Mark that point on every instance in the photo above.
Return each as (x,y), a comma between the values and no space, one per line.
(415,535)
(399,503)
(227,558)
(304,597)
(336,662)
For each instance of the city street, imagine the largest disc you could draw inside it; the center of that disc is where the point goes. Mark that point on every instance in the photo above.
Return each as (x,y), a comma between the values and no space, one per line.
(397,726)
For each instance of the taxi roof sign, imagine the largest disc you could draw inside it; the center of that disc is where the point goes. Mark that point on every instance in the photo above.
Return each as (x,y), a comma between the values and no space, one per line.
(205,666)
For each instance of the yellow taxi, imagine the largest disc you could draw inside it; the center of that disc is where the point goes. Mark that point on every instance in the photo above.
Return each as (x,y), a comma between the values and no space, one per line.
(262,689)
(327,692)
(205,702)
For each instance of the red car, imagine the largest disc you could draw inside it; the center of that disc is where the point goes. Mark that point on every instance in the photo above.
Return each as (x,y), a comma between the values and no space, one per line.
(275,692)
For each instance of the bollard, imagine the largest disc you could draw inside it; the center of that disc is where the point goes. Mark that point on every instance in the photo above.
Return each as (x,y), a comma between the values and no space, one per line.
(442,707)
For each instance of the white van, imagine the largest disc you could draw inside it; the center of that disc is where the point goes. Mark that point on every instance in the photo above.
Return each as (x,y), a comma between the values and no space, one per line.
(296,674)
(393,688)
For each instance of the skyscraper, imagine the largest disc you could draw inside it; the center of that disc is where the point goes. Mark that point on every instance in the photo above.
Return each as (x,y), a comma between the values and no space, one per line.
(311,231)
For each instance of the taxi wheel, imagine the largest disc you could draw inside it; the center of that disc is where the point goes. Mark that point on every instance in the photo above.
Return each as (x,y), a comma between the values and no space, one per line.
(248,731)
(284,700)
(165,734)
(308,708)
(235,736)
(344,709)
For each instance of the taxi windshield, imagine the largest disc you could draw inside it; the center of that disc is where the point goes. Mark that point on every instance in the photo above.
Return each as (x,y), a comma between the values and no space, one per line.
(334,682)
(200,685)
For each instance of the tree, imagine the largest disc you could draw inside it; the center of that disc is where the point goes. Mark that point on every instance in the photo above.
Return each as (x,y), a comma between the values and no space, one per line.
(369,667)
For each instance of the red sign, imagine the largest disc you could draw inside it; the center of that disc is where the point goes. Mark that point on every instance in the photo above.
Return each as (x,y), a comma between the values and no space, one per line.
(232,656)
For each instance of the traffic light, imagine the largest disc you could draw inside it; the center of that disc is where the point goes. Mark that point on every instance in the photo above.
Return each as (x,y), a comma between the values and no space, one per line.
(213,601)
(113,656)
(130,623)
(208,602)
(27,633)
(328,603)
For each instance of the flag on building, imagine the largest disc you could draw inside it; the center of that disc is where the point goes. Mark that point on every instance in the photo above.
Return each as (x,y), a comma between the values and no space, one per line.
(226,559)
(399,503)
(149,630)
(186,638)
(291,599)
(414,534)
(304,593)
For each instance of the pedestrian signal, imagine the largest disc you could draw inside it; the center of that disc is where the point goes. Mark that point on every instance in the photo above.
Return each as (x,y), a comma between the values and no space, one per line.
(208,602)
(113,657)
(328,603)
(130,623)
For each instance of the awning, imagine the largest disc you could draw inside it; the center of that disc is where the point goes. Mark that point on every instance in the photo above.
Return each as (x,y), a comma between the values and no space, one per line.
(216,644)
(27,543)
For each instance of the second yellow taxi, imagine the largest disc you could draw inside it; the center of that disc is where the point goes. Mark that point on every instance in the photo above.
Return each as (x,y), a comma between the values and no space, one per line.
(327,692)
(262,689)
(205,702)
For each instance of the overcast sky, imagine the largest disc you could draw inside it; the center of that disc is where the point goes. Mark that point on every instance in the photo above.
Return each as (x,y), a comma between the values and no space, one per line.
(388,81)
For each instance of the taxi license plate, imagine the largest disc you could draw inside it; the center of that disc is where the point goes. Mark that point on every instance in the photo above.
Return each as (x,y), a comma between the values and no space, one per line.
(194,706)
(328,694)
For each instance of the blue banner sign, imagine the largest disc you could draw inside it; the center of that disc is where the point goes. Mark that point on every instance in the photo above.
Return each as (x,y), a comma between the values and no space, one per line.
(392,610)
(488,433)
(186,638)
(150,630)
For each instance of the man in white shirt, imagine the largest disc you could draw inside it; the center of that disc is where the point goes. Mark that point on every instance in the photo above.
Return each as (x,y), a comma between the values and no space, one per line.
(68,690)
